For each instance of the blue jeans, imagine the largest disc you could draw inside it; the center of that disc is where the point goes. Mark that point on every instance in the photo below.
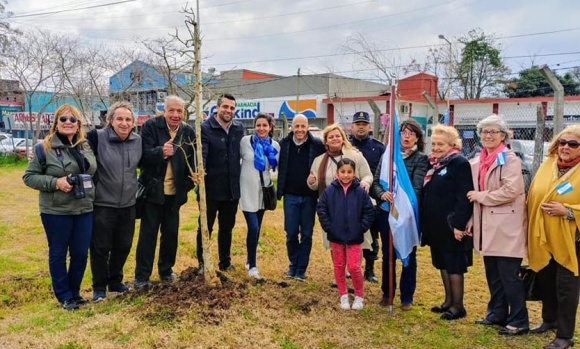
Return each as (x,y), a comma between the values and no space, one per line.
(254,222)
(408,282)
(68,234)
(299,215)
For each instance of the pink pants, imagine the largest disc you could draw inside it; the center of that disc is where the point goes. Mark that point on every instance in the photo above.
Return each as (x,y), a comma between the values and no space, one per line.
(347,256)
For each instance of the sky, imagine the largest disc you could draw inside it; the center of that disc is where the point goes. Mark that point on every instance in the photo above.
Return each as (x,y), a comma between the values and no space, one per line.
(280,37)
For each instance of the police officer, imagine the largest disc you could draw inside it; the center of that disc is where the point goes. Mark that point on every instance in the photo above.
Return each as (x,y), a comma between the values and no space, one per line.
(372,151)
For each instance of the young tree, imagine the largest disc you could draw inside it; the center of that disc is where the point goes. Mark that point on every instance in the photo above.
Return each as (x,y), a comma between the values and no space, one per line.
(480,68)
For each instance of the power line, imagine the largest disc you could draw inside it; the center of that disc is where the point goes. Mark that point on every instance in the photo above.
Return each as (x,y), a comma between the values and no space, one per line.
(73,9)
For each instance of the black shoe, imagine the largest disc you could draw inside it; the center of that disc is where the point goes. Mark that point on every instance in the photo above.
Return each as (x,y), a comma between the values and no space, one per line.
(485,322)
(439,309)
(80,300)
(119,288)
(559,343)
(228,268)
(371,277)
(70,305)
(450,315)
(544,327)
(143,284)
(168,278)
(506,331)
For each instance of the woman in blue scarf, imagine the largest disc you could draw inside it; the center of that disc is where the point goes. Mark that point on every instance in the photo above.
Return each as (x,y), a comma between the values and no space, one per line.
(259,153)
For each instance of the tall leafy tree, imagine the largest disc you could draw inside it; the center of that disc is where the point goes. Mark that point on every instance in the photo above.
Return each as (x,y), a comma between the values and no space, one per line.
(480,68)
(531,83)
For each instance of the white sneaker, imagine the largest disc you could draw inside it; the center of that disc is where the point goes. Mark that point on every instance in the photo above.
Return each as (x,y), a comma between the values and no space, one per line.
(254,273)
(247,266)
(358,303)
(344,302)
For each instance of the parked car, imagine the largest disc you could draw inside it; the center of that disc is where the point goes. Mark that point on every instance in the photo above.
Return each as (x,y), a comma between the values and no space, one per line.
(9,145)
(21,148)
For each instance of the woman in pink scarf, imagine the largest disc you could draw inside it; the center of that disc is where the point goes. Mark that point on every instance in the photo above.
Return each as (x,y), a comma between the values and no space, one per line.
(499,226)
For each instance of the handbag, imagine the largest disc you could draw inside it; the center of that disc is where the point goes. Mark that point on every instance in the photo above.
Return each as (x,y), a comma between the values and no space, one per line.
(269,194)
(531,286)
(141,196)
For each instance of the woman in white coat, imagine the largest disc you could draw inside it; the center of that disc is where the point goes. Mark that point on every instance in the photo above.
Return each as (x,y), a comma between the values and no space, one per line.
(259,153)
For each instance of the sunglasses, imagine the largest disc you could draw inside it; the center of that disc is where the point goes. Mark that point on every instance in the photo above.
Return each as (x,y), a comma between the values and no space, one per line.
(572,144)
(72,119)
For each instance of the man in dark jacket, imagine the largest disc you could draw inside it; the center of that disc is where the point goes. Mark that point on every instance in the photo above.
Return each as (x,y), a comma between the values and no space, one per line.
(118,151)
(372,151)
(297,152)
(168,145)
(220,138)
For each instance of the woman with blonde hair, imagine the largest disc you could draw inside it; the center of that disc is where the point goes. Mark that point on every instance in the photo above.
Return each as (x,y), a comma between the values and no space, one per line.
(553,236)
(445,211)
(500,226)
(62,175)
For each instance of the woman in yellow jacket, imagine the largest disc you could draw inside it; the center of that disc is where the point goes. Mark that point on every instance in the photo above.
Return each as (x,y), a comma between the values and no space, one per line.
(553,237)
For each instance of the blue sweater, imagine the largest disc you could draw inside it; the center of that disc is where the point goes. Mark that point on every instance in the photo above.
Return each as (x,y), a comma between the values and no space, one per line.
(345,218)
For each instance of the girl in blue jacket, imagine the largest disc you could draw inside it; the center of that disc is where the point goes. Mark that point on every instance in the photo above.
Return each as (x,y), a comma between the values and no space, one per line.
(345,212)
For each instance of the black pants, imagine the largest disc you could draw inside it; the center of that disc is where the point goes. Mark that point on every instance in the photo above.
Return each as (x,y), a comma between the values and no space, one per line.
(113,230)
(225,211)
(373,253)
(164,218)
(507,303)
(559,288)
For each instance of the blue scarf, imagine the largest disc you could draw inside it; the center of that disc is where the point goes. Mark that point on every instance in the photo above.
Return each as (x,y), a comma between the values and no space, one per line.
(262,149)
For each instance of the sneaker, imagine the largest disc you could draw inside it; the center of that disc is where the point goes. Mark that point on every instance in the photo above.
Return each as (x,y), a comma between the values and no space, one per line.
(254,273)
(358,303)
(80,300)
(289,274)
(300,277)
(143,284)
(344,302)
(70,305)
(119,288)
(99,296)
(228,268)
(247,266)
(169,278)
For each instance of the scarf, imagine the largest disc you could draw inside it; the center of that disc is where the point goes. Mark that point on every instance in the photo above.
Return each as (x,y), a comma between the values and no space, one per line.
(439,163)
(263,149)
(567,165)
(406,152)
(485,161)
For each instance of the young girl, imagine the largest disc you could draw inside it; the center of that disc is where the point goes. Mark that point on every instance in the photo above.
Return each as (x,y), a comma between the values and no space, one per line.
(345,212)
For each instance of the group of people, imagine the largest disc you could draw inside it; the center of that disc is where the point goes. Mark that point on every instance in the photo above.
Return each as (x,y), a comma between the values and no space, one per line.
(464,206)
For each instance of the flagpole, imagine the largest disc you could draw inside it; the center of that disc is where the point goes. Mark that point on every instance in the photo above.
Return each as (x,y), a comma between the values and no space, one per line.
(391,146)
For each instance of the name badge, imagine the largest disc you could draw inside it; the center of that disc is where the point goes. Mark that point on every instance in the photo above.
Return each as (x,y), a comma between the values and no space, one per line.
(500,159)
(443,172)
(564,188)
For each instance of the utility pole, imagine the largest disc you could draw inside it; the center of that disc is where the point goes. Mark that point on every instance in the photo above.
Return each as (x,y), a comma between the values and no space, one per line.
(450,53)
(297,111)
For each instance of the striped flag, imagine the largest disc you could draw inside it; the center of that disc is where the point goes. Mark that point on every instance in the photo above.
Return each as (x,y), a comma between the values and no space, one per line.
(404,214)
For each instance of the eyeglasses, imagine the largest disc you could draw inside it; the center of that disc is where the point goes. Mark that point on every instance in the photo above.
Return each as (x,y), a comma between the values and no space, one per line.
(72,119)
(407,133)
(572,144)
(492,133)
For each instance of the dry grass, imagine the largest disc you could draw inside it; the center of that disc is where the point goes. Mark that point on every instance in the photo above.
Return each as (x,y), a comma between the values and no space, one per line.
(274,314)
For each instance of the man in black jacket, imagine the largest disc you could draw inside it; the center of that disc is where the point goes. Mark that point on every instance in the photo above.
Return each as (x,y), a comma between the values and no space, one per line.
(220,138)
(168,145)
(372,150)
(297,152)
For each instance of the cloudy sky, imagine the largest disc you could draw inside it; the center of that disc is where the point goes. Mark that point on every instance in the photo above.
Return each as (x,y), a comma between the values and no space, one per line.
(280,37)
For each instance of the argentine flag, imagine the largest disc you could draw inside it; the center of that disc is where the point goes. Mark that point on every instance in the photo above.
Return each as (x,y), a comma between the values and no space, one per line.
(404,215)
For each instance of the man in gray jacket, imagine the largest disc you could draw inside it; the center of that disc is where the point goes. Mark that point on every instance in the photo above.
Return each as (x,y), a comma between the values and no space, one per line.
(118,152)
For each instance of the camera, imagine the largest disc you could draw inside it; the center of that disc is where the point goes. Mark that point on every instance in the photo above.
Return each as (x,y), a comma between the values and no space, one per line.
(79,182)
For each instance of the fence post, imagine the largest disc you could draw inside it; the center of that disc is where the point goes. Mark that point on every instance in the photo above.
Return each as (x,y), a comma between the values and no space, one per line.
(558,123)
(539,139)
(376,119)
(434,108)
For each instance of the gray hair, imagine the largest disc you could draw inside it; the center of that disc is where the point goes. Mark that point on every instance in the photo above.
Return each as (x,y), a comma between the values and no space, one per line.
(495,120)
(173,98)
(120,104)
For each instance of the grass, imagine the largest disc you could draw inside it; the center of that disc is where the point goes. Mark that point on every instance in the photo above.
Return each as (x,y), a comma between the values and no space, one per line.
(267,315)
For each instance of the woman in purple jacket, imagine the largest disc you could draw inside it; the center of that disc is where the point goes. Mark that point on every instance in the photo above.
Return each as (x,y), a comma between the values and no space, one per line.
(345,212)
